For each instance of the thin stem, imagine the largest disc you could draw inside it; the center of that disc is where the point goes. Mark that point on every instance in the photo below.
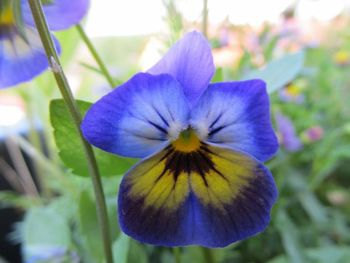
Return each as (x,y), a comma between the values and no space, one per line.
(96,56)
(41,24)
(47,165)
(177,254)
(208,255)
(34,138)
(11,176)
(21,168)
(205,18)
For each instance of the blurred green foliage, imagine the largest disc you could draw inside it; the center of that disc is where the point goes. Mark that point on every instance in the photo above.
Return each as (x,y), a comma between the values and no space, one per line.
(311,219)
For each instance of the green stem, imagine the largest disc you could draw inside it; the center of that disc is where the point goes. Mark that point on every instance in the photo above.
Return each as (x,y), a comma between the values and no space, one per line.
(208,255)
(177,254)
(205,18)
(41,24)
(96,56)
(34,138)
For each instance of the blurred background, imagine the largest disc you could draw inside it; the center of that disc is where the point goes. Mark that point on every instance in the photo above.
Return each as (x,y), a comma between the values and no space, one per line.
(301,48)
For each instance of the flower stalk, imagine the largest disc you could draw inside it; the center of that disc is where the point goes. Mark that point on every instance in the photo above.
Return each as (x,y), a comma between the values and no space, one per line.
(95,55)
(208,255)
(205,18)
(67,95)
(177,254)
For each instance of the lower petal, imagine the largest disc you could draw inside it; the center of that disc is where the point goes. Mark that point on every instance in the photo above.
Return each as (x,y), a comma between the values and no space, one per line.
(210,197)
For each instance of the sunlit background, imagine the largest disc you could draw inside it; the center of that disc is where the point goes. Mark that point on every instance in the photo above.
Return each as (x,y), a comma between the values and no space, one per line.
(147,20)
(136,17)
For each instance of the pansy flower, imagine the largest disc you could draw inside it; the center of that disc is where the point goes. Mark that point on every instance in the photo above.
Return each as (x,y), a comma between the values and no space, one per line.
(22,56)
(201,180)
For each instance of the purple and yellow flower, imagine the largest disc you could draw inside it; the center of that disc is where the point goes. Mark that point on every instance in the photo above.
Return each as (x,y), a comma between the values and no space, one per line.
(22,56)
(201,180)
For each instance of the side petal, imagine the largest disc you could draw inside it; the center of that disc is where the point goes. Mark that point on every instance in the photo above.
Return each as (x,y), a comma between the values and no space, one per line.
(21,60)
(60,14)
(211,197)
(236,114)
(190,62)
(139,117)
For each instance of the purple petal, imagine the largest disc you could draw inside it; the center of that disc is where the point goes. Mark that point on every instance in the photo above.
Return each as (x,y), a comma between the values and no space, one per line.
(236,115)
(21,61)
(61,14)
(139,117)
(190,62)
(288,137)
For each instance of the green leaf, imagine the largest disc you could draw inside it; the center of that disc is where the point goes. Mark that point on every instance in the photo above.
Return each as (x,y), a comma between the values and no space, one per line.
(313,207)
(192,254)
(9,198)
(70,147)
(331,254)
(121,249)
(90,226)
(290,239)
(44,230)
(308,200)
(279,72)
(137,253)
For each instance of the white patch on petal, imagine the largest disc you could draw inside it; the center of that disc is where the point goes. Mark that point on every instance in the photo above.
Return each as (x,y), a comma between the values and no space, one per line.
(16,46)
(175,128)
(202,129)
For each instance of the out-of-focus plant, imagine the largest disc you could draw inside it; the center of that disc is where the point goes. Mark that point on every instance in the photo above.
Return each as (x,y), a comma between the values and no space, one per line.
(310,222)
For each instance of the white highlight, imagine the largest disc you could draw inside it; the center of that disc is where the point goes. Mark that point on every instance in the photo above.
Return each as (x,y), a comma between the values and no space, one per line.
(18,47)
(138,17)
(10,115)
(150,54)
(175,128)
(55,67)
(202,129)
(125,18)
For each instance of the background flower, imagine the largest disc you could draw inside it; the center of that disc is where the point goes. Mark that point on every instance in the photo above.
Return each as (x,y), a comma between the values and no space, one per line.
(22,56)
(286,132)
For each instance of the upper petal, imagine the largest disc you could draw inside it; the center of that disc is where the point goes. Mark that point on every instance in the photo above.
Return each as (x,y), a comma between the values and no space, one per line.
(211,197)
(191,63)
(60,14)
(21,59)
(139,117)
(236,114)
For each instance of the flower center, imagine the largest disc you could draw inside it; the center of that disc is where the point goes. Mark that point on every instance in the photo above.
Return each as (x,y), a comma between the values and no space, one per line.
(187,141)
(7,17)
